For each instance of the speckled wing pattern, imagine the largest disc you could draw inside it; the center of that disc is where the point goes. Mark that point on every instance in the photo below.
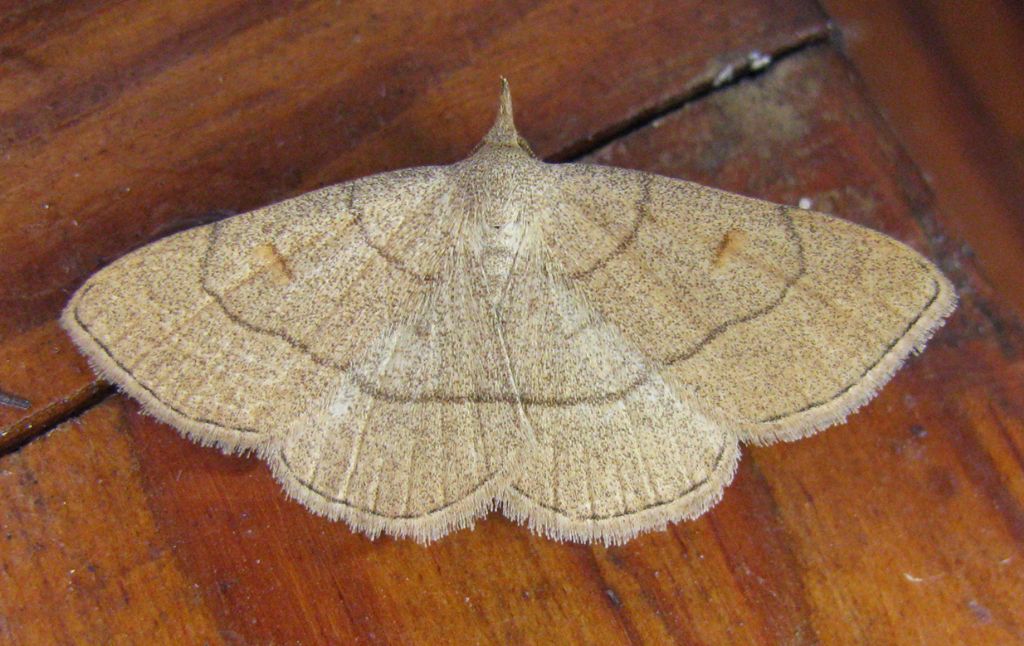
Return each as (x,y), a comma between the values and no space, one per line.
(585,347)
(782,319)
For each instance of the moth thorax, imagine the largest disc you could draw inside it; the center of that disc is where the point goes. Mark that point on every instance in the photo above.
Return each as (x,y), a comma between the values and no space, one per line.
(502,240)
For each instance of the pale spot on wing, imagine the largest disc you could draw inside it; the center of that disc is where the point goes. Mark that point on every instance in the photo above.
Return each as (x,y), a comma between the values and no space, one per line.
(343,400)
(732,242)
(266,256)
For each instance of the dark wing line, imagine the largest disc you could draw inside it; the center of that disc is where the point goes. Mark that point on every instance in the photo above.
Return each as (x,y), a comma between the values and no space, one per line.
(899,337)
(643,214)
(643,210)
(295,343)
(722,328)
(339,501)
(384,394)
(152,393)
(658,503)
(696,348)
(390,258)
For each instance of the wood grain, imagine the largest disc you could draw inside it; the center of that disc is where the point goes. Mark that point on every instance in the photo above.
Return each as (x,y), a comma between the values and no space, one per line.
(43,366)
(82,558)
(903,526)
(954,100)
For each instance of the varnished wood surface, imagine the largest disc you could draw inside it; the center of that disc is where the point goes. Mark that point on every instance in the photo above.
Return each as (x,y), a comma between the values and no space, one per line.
(43,367)
(904,525)
(948,76)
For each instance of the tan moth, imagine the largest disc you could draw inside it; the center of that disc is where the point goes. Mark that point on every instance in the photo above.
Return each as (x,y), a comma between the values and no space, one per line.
(585,347)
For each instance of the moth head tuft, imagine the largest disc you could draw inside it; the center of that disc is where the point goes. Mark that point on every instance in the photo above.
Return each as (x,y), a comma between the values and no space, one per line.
(503,132)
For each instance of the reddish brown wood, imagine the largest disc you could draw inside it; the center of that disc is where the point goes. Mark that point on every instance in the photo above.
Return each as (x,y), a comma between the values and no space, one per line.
(949,77)
(903,526)
(44,367)
(81,557)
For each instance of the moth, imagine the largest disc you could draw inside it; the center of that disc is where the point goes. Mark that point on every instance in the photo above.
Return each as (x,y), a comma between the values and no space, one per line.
(584,347)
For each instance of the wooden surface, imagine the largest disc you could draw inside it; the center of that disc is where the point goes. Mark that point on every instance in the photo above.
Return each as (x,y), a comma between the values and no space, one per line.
(905,525)
(948,76)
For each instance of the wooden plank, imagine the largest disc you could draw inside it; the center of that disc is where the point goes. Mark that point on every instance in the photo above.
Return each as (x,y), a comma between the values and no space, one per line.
(82,560)
(954,101)
(43,367)
(120,123)
(902,526)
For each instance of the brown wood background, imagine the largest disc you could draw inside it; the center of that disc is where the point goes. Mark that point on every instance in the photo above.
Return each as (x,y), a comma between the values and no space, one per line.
(122,121)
